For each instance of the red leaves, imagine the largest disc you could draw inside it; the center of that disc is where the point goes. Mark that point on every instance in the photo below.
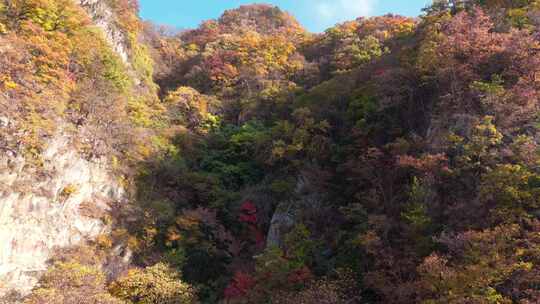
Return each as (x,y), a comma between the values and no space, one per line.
(249,207)
(239,286)
(248,213)
(248,218)
(221,66)
(471,48)
(260,238)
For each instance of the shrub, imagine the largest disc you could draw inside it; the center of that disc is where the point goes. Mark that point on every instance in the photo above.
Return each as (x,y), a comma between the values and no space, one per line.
(72,283)
(156,284)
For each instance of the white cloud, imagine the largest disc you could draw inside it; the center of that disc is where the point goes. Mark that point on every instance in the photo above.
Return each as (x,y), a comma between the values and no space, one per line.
(341,10)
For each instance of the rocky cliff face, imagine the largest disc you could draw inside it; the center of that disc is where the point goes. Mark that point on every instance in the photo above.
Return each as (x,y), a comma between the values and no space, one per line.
(63,204)
(60,203)
(306,199)
(103,17)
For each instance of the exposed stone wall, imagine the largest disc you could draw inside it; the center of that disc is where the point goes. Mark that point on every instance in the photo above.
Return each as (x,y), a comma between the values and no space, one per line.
(60,204)
(104,18)
(48,208)
(287,213)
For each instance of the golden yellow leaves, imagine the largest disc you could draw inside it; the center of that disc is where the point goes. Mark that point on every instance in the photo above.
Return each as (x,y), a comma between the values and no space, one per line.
(156,284)
(7,83)
(69,190)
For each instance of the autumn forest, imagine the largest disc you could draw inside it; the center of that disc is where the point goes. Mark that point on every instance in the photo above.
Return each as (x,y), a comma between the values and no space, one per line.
(386,160)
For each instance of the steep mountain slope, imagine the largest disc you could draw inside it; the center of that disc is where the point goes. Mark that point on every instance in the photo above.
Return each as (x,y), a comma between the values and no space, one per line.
(387,160)
(64,112)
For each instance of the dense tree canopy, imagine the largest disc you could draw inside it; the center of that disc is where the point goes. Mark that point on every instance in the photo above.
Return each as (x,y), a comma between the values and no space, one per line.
(403,149)
(386,160)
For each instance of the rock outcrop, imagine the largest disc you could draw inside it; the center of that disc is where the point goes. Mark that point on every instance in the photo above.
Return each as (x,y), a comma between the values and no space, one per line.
(58,205)
(104,18)
(61,202)
(287,213)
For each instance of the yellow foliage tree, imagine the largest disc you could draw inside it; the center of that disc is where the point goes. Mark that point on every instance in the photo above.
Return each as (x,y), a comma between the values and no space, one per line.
(156,284)
(72,283)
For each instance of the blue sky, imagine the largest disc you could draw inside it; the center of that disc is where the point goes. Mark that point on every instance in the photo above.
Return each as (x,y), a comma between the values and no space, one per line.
(316,15)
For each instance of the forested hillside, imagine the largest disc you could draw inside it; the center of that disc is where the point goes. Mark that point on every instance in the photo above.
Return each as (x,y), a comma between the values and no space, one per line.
(386,160)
